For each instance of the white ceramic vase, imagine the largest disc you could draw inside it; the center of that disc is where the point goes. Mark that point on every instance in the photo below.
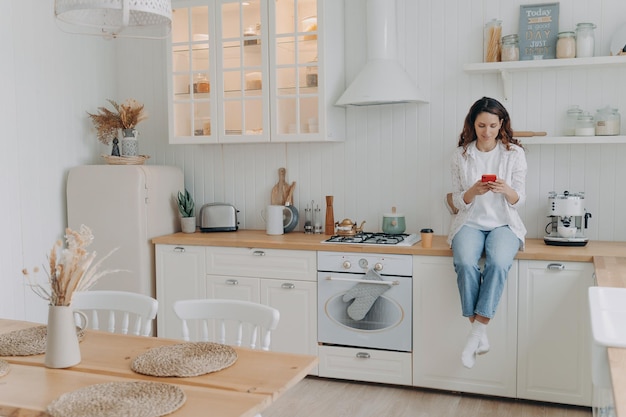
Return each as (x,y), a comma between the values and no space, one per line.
(188,224)
(62,350)
(129,142)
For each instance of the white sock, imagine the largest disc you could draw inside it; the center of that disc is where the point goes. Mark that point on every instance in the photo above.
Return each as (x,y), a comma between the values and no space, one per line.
(483,345)
(468,357)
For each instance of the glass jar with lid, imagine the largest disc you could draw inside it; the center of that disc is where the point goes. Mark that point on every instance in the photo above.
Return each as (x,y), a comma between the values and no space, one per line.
(607,122)
(585,125)
(572,120)
(311,73)
(491,40)
(566,45)
(585,40)
(509,50)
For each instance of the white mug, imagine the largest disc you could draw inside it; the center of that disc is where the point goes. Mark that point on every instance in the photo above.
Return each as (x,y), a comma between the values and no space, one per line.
(274,221)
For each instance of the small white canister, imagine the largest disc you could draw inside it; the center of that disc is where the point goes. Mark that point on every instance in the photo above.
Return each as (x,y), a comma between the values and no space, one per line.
(607,121)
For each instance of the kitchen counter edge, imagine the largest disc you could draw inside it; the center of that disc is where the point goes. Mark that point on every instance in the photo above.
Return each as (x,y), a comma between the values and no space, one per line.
(535,249)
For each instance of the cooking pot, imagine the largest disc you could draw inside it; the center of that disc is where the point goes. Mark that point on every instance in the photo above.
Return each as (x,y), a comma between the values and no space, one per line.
(348,228)
(394,223)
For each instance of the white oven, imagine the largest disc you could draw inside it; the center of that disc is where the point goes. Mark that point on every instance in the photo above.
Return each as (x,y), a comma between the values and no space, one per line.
(365,300)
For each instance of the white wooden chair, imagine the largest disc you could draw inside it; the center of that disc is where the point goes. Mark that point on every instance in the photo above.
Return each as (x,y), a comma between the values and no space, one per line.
(258,319)
(117,309)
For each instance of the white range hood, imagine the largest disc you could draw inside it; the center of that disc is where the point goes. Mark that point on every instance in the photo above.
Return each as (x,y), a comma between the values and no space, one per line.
(382,80)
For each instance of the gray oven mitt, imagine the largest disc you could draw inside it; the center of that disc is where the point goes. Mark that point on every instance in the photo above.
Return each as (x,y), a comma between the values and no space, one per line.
(364,295)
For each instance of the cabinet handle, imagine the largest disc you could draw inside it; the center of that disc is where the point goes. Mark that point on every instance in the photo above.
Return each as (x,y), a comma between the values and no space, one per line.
(258,253)
(232,282)
(363,355)
(288,286)
(179,249)
(556,267)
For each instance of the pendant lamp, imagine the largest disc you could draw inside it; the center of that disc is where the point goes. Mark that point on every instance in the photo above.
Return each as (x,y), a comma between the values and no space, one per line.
(115,18)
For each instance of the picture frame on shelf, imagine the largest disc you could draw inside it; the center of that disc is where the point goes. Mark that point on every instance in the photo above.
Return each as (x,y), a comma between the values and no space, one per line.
(538,30)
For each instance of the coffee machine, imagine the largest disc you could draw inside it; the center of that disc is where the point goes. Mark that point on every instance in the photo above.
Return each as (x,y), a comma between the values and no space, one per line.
(568,219)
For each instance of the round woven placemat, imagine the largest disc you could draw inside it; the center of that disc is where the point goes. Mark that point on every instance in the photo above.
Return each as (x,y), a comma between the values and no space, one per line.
(119,399)
(29,341)
(184,359)
(4,367)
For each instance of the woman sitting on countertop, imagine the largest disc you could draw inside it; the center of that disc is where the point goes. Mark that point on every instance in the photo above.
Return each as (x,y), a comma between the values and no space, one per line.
(488,221)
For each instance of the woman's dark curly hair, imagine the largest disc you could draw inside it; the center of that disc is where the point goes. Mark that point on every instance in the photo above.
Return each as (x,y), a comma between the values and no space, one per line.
(493,106)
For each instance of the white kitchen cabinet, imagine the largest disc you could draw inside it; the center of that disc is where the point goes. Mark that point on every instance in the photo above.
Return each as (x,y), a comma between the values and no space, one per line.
(554,359)
(370,365)
(256,71)
(297,303)
(440,332)
(233,288)
(180,274)
(283,279)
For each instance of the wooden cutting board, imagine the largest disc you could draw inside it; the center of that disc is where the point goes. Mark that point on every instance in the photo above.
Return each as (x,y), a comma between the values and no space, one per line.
(282,192)
(279,190)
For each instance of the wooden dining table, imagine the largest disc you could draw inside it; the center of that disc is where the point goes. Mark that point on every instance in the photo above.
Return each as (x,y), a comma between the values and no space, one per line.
(252,383)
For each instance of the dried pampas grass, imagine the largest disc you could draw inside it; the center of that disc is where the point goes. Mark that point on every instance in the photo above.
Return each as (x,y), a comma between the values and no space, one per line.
(126,116)
(70,269)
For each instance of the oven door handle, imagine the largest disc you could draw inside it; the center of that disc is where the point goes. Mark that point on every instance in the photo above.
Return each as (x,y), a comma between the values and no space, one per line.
(364,281)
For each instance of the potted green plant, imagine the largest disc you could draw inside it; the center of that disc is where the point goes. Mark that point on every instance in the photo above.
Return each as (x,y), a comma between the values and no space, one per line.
(186,207)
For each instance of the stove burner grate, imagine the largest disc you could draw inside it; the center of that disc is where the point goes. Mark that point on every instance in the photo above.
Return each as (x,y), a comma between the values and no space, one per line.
(373,238)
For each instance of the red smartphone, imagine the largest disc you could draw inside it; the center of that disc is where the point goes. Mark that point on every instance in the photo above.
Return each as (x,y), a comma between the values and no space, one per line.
(488,178)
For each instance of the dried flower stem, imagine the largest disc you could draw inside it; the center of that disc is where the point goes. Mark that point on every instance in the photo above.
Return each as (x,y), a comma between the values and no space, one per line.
(70,269)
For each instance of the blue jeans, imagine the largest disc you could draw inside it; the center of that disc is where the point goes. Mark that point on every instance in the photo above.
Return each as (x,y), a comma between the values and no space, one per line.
(480,292)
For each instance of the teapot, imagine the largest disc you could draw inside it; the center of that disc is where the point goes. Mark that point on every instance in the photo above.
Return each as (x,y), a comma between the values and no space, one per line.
(348,228)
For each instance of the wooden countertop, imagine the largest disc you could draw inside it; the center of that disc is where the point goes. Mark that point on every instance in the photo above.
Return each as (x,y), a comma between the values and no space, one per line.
(535,249)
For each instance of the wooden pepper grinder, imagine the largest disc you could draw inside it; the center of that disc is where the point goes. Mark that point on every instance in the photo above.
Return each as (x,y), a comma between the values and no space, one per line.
(330,216)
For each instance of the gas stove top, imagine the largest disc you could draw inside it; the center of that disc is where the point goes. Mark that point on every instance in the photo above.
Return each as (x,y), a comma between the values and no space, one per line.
(381,239)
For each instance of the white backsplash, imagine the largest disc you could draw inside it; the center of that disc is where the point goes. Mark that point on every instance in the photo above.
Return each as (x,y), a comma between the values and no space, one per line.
(394,155)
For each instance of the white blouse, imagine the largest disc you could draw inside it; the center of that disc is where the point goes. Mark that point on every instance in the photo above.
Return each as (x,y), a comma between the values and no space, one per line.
(511,168)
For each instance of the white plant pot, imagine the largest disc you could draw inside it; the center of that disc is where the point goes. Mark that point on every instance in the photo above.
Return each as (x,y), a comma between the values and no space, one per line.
(188,224)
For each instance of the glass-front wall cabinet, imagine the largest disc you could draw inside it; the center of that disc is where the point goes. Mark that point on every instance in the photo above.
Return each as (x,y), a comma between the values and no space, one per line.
(246,71)
(242,68)
(295,97)
(192,70)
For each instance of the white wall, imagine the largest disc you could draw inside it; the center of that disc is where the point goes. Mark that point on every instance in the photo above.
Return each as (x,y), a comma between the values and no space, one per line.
(393,155)
(48,81)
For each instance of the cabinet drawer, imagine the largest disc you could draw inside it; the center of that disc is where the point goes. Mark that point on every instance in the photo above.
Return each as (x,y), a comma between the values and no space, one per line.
(261,263)
(365,365)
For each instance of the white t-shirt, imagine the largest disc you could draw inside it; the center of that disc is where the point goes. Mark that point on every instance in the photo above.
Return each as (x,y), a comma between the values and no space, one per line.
(488,211)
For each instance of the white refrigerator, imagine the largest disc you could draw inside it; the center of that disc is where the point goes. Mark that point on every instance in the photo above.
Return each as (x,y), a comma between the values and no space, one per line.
(125,206)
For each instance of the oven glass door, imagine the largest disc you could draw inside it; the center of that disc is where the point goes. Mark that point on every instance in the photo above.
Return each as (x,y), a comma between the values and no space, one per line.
(382,319)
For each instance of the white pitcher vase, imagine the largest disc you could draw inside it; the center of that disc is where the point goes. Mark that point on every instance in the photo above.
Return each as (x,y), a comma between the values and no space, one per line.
(62,350)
